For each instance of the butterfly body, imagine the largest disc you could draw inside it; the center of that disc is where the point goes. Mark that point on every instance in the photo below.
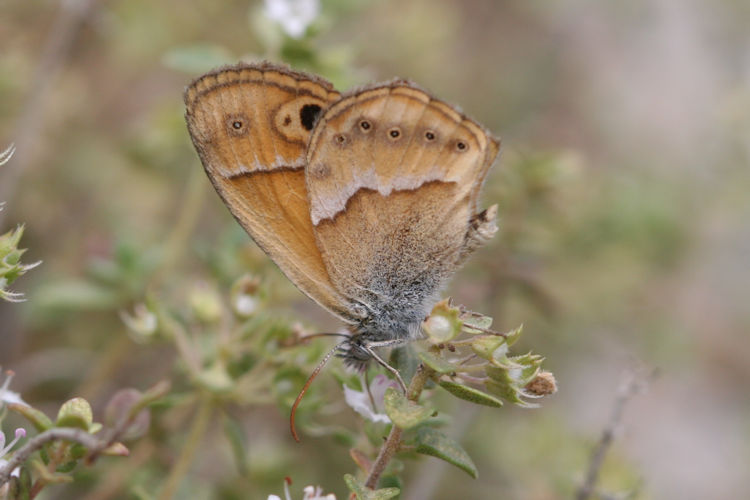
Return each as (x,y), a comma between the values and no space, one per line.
(366,201)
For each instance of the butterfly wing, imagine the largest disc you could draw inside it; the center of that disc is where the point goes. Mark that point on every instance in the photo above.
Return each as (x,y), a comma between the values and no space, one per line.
(393,177)
(250,125)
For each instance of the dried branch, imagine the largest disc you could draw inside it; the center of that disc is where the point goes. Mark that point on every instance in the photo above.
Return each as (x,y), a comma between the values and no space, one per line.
(632,384)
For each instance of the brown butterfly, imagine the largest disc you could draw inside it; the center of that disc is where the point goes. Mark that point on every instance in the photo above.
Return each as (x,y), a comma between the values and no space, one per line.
(367,201)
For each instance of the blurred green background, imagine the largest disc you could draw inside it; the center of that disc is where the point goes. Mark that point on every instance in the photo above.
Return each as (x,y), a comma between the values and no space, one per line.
(624,192)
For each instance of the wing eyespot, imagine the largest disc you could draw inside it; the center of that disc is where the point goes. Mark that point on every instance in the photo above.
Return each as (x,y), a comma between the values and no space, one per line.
(365,125)
(394,133)
(340,140)
(308,115)
(429,136)
(237,125)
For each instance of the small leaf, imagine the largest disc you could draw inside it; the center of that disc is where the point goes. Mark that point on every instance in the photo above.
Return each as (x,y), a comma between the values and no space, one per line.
(39,420)
(475,322)
(362,461)
(116,450)
(67,467)
(362,492)
(437,363)
(470,394)
(443,324)
(238,442)
(75,412)
(512,336)
(403,413)
(433,442)
(489,346)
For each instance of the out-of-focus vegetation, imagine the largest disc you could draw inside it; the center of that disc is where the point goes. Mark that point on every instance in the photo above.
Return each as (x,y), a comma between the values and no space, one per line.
(624,240)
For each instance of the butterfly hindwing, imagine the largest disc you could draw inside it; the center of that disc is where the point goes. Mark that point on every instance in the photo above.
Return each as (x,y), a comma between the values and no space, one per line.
(393,176)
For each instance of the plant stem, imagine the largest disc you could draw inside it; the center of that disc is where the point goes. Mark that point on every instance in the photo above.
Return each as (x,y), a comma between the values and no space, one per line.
(35,443)
(197,430)
(393,441)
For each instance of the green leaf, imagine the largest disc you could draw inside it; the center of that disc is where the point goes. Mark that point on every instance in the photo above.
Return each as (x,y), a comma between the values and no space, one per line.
(512,336)
(436,363)
(75,412)
(66,467)
(75,294)
(362,492)
(509,393)
(238,442)
(433,442)
(470,394)
(39,420)
(489,346)
(475,322)
(403,413)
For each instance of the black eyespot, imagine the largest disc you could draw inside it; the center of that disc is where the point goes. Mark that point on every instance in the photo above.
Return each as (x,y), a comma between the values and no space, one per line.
(429,135)
(287,120)
(340,139)
(461,146)
(308,114)
(394,133)
(237,125)
(365,125)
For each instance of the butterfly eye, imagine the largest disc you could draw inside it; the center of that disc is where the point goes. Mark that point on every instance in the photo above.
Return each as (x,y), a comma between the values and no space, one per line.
(429,135)
(461,146)
(394,133)
(365,125)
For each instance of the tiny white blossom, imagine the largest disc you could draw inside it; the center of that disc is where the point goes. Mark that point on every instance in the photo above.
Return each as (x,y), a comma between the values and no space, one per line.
(294,16)
(310,493)
(6,395)
(4,450)
(362,403)
(6,155)
(143,323)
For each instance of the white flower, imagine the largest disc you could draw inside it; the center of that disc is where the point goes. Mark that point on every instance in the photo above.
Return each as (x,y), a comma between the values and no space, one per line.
(294,16)
(6,155)
(4,450)
(370,405)
(310,493)
(8,396)
(143,323)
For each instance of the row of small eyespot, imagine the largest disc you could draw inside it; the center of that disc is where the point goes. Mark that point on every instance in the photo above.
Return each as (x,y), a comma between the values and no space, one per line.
(395,133)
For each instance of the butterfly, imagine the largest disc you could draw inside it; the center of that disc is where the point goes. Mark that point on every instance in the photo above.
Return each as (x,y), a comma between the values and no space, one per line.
(367,201)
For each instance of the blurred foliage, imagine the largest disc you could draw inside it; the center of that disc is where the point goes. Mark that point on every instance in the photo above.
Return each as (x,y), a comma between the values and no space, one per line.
(622,188)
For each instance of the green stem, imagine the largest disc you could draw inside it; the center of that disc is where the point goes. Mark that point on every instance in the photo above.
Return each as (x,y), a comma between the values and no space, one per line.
(393,441)
(197,430)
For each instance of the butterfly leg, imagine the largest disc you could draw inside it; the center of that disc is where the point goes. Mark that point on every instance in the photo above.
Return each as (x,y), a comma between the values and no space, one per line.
(369,348)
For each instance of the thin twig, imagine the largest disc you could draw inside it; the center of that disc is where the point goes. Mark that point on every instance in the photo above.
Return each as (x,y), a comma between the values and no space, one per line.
(632,384)
(95,444)
(64,434)
(393,441)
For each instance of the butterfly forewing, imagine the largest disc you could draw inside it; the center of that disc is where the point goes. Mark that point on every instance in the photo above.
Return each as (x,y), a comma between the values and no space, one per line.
(251,125)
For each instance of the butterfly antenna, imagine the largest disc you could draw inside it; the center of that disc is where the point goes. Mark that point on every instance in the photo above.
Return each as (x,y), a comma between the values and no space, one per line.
(307,386)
